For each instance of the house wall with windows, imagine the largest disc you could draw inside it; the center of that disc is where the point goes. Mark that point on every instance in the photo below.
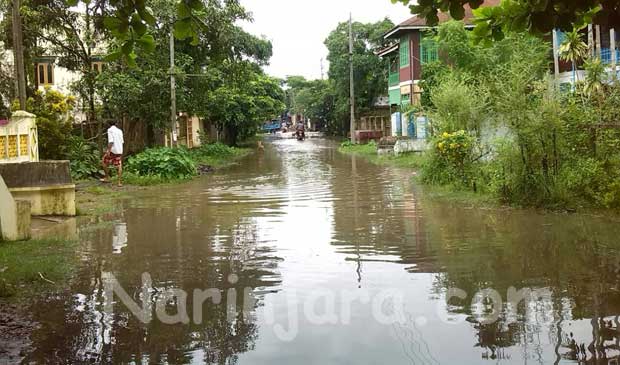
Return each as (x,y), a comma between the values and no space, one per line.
(412,48)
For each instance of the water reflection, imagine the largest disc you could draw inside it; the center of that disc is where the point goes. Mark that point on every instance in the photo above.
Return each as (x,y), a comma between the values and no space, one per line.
(301,218)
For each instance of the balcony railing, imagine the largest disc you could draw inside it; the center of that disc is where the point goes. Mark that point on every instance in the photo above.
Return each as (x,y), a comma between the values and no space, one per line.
(606,55)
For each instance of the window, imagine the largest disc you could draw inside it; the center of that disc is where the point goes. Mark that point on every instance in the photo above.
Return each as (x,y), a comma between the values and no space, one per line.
(428,50)
(405,99)
(45,73)
(97,67)
(404,51)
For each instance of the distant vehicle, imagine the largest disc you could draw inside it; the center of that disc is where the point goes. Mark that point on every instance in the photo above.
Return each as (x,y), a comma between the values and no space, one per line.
(271,127)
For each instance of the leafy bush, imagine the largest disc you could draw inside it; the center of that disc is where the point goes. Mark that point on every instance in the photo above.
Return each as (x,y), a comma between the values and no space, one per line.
(84,157)
(167,163)
(214,149)
(451,159)
(52,108)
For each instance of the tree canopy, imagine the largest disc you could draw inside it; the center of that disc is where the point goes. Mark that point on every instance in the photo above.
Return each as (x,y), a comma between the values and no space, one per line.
(220,79)
(370,71)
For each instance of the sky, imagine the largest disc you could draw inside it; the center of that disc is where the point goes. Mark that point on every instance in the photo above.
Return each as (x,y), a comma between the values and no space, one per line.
(298,28)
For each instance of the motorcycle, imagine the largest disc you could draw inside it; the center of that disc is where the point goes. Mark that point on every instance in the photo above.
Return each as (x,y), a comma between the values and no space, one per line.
(301,134)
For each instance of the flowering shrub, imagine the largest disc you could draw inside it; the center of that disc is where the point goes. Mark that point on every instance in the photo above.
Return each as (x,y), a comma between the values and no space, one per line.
(451,158)
(455,148)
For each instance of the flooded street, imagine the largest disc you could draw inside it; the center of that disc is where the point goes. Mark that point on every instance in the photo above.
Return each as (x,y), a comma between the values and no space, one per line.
(324,258)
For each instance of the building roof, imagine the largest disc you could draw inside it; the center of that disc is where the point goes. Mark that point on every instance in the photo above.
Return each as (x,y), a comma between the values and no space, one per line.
(417,22)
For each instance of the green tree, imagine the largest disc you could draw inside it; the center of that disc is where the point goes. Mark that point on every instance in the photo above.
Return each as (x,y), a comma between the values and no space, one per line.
(314,99)
(220,79)
(370,74)
(52,110)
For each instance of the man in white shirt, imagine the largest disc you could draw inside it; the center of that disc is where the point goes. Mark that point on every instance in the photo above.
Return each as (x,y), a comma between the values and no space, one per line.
(114,152)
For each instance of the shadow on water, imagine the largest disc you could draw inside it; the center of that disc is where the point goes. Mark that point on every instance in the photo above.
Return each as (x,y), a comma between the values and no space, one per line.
(300,218)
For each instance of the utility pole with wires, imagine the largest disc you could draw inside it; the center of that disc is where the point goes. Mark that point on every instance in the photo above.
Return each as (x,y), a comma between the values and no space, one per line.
(173,95)
(351,81)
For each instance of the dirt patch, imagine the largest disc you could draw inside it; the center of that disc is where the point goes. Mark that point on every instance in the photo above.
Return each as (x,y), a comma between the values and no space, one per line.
(15,330)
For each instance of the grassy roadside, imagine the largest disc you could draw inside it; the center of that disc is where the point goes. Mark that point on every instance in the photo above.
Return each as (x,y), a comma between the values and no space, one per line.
(205,159)
(28,267)
(414,161)
(369,152)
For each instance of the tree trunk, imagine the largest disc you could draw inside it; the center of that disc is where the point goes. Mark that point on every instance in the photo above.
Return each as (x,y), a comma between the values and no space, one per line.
(18,54)
(231,135)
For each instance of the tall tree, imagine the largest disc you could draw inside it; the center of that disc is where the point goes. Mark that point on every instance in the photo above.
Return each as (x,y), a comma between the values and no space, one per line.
(369,70)
(220,79)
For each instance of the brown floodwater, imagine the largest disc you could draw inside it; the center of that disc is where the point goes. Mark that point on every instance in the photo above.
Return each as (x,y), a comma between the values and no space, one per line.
(323,258)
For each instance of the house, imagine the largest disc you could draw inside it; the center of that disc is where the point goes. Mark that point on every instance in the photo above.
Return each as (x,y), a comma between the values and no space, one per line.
(602,40)
(410,51)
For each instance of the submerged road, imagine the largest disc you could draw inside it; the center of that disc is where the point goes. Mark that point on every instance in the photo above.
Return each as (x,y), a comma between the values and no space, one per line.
(316,257)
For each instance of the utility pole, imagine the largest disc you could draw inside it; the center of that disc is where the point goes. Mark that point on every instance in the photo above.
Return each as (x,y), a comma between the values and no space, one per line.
(351,81)
(173,95)
(18,54)
(322,68)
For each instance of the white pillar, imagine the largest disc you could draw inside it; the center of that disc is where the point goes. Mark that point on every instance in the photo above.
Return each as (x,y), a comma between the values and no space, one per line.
(590,40)
(612,49)
(598,40)
(556,56)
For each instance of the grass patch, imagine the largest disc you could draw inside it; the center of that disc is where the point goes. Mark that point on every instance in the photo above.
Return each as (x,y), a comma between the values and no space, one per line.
(27,267)
(458,195)
(413,160)
(150,180)
(218,155)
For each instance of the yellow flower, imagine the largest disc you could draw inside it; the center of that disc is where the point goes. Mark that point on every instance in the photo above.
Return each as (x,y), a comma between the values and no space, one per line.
(445,135)
(440,145)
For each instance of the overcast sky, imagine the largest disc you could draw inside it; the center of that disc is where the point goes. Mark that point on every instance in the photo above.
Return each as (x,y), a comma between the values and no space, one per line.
(297,28)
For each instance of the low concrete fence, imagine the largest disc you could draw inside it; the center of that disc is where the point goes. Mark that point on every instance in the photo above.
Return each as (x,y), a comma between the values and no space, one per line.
(46,185)
(400,145)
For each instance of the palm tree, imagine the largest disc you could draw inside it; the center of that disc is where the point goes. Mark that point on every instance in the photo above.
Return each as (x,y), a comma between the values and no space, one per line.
(573,49)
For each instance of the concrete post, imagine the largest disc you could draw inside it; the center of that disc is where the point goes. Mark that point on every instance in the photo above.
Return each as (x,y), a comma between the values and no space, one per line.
(556,56)
(612,49)
(590,40)
(597,33)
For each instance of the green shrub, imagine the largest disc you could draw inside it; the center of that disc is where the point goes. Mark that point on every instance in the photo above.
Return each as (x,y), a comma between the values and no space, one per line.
(450,159)
(51,108)
(167,163)
(214,149)
(84,157)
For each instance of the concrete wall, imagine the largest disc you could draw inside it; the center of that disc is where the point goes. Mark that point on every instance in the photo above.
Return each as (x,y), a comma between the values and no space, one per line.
(46,185)
(410,145)
(36,174)
(14,216)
